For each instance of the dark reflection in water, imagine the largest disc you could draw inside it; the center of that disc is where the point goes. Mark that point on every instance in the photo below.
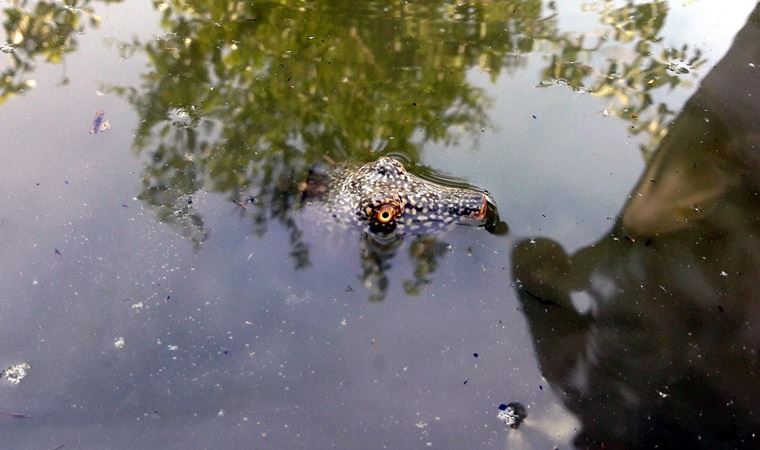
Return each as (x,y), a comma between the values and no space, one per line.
(650,334)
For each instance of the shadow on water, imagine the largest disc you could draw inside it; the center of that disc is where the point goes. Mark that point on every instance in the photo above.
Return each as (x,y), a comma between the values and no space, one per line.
(649,335)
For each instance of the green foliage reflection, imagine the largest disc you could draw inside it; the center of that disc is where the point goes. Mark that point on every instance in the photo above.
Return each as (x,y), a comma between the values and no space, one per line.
(627,64)
(40,30)
(242,98)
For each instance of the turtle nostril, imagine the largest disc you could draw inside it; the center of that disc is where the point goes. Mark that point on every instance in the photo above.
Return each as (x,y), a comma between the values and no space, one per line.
(480,214)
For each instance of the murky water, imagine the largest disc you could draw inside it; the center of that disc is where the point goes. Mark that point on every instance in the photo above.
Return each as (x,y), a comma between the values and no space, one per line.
(162,284)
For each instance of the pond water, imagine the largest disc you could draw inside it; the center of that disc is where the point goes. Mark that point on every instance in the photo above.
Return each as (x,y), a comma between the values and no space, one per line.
(163,285)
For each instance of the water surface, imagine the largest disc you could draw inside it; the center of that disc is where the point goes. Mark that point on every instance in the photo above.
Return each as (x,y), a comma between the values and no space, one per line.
(618,139)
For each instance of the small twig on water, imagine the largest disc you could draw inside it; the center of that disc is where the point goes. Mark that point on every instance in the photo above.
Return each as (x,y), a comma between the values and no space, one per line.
(16,415)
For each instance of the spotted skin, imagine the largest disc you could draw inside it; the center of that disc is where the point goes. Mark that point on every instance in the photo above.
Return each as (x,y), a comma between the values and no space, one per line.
(383,198)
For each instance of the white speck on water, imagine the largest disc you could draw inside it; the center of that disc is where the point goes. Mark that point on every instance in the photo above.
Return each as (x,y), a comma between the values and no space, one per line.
(343,322)
(663,394)
(606,112)
(421,424)
(250,255)
(7,47)
(220,413)
(294,299)
(138,305)
(752,65)
(723,273)
(14,374)
(172,348)
(119,343)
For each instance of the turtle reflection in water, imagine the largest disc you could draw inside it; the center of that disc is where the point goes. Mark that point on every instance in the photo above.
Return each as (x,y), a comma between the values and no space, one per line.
(383,198)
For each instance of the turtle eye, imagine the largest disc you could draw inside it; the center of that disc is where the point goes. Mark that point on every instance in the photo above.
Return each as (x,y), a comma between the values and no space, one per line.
(385,213)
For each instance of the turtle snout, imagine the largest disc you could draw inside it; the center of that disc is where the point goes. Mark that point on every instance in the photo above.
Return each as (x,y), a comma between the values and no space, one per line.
(473,205)
(482,208)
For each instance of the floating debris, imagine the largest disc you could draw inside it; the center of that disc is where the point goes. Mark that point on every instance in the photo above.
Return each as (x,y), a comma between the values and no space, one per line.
(14,374)
(183,117)
(119,343)
(98,123)
(296,299)
(512,414)
(244,203)
(679,67)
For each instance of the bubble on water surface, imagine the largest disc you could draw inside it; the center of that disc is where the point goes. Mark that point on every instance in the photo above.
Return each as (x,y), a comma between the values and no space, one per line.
(679,67)
(14,374)
(512,414)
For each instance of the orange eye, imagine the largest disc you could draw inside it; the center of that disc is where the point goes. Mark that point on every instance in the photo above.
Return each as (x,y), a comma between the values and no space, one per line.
(385,213)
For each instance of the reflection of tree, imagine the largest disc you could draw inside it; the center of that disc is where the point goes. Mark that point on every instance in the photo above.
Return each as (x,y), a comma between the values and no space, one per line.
(635,68)
(277,88)
(249,107)
(665,354)
(243,98)
(40,30)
